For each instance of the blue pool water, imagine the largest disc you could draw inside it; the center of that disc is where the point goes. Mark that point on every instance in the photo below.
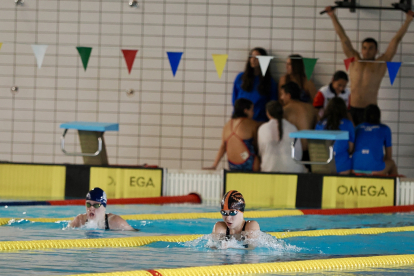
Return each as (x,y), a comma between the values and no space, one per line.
(195,253)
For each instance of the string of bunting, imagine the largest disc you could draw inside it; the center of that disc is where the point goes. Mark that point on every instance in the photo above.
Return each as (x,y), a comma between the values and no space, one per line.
(219,60)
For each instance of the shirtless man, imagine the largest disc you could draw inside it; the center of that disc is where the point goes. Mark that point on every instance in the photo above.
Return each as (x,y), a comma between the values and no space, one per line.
(365,77)
(300,114)
(96,216)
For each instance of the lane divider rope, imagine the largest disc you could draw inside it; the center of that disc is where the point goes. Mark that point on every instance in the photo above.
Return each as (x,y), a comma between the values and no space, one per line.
(175,216)
(144,240)
(277,267)
(247,214)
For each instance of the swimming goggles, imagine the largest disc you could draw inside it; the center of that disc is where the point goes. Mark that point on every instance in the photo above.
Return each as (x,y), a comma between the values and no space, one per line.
(96,205)
(230,213)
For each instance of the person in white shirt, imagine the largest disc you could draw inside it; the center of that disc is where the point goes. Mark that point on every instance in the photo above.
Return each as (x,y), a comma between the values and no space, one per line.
(274,142)
(337,88)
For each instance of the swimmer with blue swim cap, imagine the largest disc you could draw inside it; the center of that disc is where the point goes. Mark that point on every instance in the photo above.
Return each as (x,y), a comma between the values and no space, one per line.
(95,213)
(233,224)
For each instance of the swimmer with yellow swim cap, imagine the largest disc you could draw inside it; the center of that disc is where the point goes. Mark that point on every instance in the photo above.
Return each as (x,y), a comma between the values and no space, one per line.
(96,216)
(234,224)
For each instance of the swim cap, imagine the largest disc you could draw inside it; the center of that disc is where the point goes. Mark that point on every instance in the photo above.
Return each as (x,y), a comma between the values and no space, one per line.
(233,200)
(97,194)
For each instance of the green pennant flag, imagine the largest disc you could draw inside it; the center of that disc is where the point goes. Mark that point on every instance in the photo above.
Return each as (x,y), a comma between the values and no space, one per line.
(85,53)
(309,64)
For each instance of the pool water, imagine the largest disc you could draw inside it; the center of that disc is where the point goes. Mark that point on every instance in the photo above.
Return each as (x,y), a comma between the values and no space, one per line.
(194,253)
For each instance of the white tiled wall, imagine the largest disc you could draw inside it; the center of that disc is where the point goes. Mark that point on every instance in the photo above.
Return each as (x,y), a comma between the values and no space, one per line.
(170,121)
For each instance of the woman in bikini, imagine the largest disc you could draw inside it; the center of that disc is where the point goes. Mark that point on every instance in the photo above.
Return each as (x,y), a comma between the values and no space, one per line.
(239,139)
(234,224)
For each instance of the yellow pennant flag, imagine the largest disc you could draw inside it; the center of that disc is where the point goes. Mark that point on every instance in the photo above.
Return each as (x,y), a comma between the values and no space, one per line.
(1,44)
(220,61)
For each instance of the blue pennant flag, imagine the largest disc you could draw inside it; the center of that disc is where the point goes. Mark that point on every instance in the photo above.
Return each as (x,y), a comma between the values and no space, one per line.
(174,58)
(393,68)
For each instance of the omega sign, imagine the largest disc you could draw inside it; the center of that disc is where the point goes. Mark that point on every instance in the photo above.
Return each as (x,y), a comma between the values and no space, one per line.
(363,190)
(140,182)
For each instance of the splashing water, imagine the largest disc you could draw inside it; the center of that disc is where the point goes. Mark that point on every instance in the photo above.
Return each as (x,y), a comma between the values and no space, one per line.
(263,240)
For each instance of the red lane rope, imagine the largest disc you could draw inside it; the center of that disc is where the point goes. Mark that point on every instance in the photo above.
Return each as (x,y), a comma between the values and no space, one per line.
(190,198)
(371,210)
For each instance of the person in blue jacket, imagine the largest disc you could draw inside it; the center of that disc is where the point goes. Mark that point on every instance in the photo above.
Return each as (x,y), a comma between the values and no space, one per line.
(371,137)
(336,118)
(252,85)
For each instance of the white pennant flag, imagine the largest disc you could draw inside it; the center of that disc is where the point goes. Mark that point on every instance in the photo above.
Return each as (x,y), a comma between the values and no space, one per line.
(39,52)
(264,63)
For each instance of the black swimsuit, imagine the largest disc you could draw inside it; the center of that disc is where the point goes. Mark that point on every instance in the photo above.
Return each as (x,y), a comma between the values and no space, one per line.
(228,231)
(106,222)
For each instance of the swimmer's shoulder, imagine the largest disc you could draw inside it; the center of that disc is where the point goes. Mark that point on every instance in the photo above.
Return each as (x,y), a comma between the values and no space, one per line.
(219,227)
(252,225)
(118,223)
(78,221)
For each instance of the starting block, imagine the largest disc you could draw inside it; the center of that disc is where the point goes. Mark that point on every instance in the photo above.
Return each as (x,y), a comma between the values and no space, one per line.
(91,138)
(320,146)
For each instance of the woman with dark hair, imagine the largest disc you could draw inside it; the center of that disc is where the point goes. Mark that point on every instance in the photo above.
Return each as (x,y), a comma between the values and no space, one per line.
(336,118)
(252,85)
(239,139)
(295,71)
(371,137)
(274,142)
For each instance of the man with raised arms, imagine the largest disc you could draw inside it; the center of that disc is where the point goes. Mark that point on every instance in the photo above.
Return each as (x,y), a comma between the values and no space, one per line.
(365,77)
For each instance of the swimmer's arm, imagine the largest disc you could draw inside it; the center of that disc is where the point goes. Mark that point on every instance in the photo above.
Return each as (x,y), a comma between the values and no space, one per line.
(118,223)
(220,153)
(388,153)
(347,47)
(392,47)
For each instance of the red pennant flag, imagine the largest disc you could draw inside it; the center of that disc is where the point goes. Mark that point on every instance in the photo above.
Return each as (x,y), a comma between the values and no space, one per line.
(129,56)
(348,62)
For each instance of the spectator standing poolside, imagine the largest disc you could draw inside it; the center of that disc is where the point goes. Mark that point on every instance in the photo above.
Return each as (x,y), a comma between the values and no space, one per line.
(239,139)
(301,115)
(251,85)
(365,77)
(295,71)
(274,143)
(337,88)
(336,118)
(95,213)
(371,137)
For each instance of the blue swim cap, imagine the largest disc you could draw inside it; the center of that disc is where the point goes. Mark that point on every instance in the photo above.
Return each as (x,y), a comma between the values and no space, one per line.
(97,194)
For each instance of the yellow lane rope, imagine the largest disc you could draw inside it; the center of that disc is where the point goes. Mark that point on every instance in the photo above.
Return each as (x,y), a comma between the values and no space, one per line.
(173,216)
(144,240)
(280,267)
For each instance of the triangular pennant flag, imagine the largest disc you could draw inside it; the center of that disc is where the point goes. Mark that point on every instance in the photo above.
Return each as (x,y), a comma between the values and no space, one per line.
(393,68)
(264,63)
(309,64)
(220,61)
(39,52)
(129,56)
(85,53)
(348,62)
(1,44)
(174,58)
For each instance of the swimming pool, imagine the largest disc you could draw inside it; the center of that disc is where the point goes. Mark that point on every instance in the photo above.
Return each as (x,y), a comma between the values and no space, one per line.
(194,253)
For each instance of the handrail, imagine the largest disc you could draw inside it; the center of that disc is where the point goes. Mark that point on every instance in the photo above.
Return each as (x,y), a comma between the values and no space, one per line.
(331,156)
(62,146)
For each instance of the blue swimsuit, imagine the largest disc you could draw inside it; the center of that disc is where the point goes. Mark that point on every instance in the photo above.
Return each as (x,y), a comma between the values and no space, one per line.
(247,164)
